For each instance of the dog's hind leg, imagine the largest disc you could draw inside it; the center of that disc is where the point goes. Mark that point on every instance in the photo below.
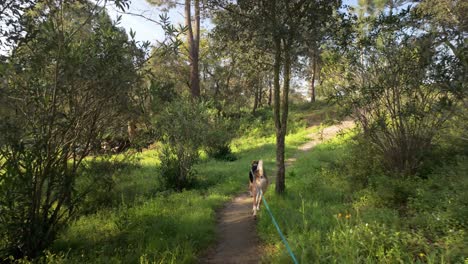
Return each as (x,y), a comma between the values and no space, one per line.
(254,207)
(258,200)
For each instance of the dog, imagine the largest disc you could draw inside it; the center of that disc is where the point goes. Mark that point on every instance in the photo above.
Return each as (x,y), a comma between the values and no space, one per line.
(253,168)
(258,184)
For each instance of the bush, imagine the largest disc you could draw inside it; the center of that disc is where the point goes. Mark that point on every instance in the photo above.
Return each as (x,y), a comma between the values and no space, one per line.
(59,95)
(183,128)
(222,152)
(218,141)
(176,171)
(400,87)
(100,173)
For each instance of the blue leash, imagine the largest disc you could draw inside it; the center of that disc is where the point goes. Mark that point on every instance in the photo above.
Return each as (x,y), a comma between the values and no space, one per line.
(279,230)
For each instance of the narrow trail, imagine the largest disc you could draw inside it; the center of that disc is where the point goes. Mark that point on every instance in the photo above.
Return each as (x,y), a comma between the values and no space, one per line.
(238,241)
(318,137)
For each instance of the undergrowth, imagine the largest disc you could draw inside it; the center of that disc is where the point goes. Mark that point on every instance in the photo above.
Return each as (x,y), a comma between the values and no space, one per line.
(138,220)
(340,207)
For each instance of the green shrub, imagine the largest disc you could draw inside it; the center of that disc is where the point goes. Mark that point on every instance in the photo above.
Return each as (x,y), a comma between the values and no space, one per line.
(222,152)
(183,128)
(220,134)
(101,173)
(396,84)
(176,172)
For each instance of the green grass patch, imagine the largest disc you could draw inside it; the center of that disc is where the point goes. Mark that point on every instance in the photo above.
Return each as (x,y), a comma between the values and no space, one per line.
(328,218)
(143,223)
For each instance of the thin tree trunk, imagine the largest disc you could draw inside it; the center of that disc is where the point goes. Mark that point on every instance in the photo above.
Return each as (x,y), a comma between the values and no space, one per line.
(255,100)
(269,92)
(312,81)
(131,127)
(260,92)
(196,58)
(280,138)
(277,104)
(193,40)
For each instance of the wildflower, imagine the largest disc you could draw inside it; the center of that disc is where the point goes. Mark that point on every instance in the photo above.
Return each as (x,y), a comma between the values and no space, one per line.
(348,216)
(421,254)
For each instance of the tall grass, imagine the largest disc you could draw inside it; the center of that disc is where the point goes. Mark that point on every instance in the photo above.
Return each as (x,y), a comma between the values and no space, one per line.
(329,218)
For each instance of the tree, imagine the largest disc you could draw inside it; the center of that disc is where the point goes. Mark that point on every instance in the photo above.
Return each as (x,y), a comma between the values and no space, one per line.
(193,38)
(68,82)
(447,22)
(402,87)
(237,68)
(278,27)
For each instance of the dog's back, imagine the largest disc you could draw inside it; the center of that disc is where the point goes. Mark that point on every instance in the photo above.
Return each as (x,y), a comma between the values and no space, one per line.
(261,178)
(260,187)
(262,184)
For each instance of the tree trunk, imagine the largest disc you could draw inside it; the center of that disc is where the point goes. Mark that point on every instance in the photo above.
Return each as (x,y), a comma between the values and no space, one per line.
(260,92)
(255,100)
(193,40)
(131,127)
(280,137)
(312,81)
(276,112)
(269,92)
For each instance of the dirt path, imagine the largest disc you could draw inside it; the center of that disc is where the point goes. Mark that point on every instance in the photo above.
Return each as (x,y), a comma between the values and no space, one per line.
(318,137)
(237,236)
(238,241)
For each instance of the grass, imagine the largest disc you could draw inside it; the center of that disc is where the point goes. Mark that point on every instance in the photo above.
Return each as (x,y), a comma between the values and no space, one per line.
(142,223)
(328,218)
(326,213)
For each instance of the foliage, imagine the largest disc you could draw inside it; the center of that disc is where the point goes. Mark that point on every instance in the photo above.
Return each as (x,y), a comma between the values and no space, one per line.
(182,128)
(399,85)
(219,139)
(70,78)
(177,173)
(278,28)
(328,218)
(101,173)
(239,71)
(149,223)
(66,85)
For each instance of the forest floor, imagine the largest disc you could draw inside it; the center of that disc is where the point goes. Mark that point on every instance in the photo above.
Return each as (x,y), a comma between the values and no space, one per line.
(238,241)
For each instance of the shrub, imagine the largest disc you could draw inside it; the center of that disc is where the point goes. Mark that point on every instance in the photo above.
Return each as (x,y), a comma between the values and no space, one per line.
(222,152)
(177,171)
(58,96)
(183,128)
(400,86)
(218,140)
(100,173)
